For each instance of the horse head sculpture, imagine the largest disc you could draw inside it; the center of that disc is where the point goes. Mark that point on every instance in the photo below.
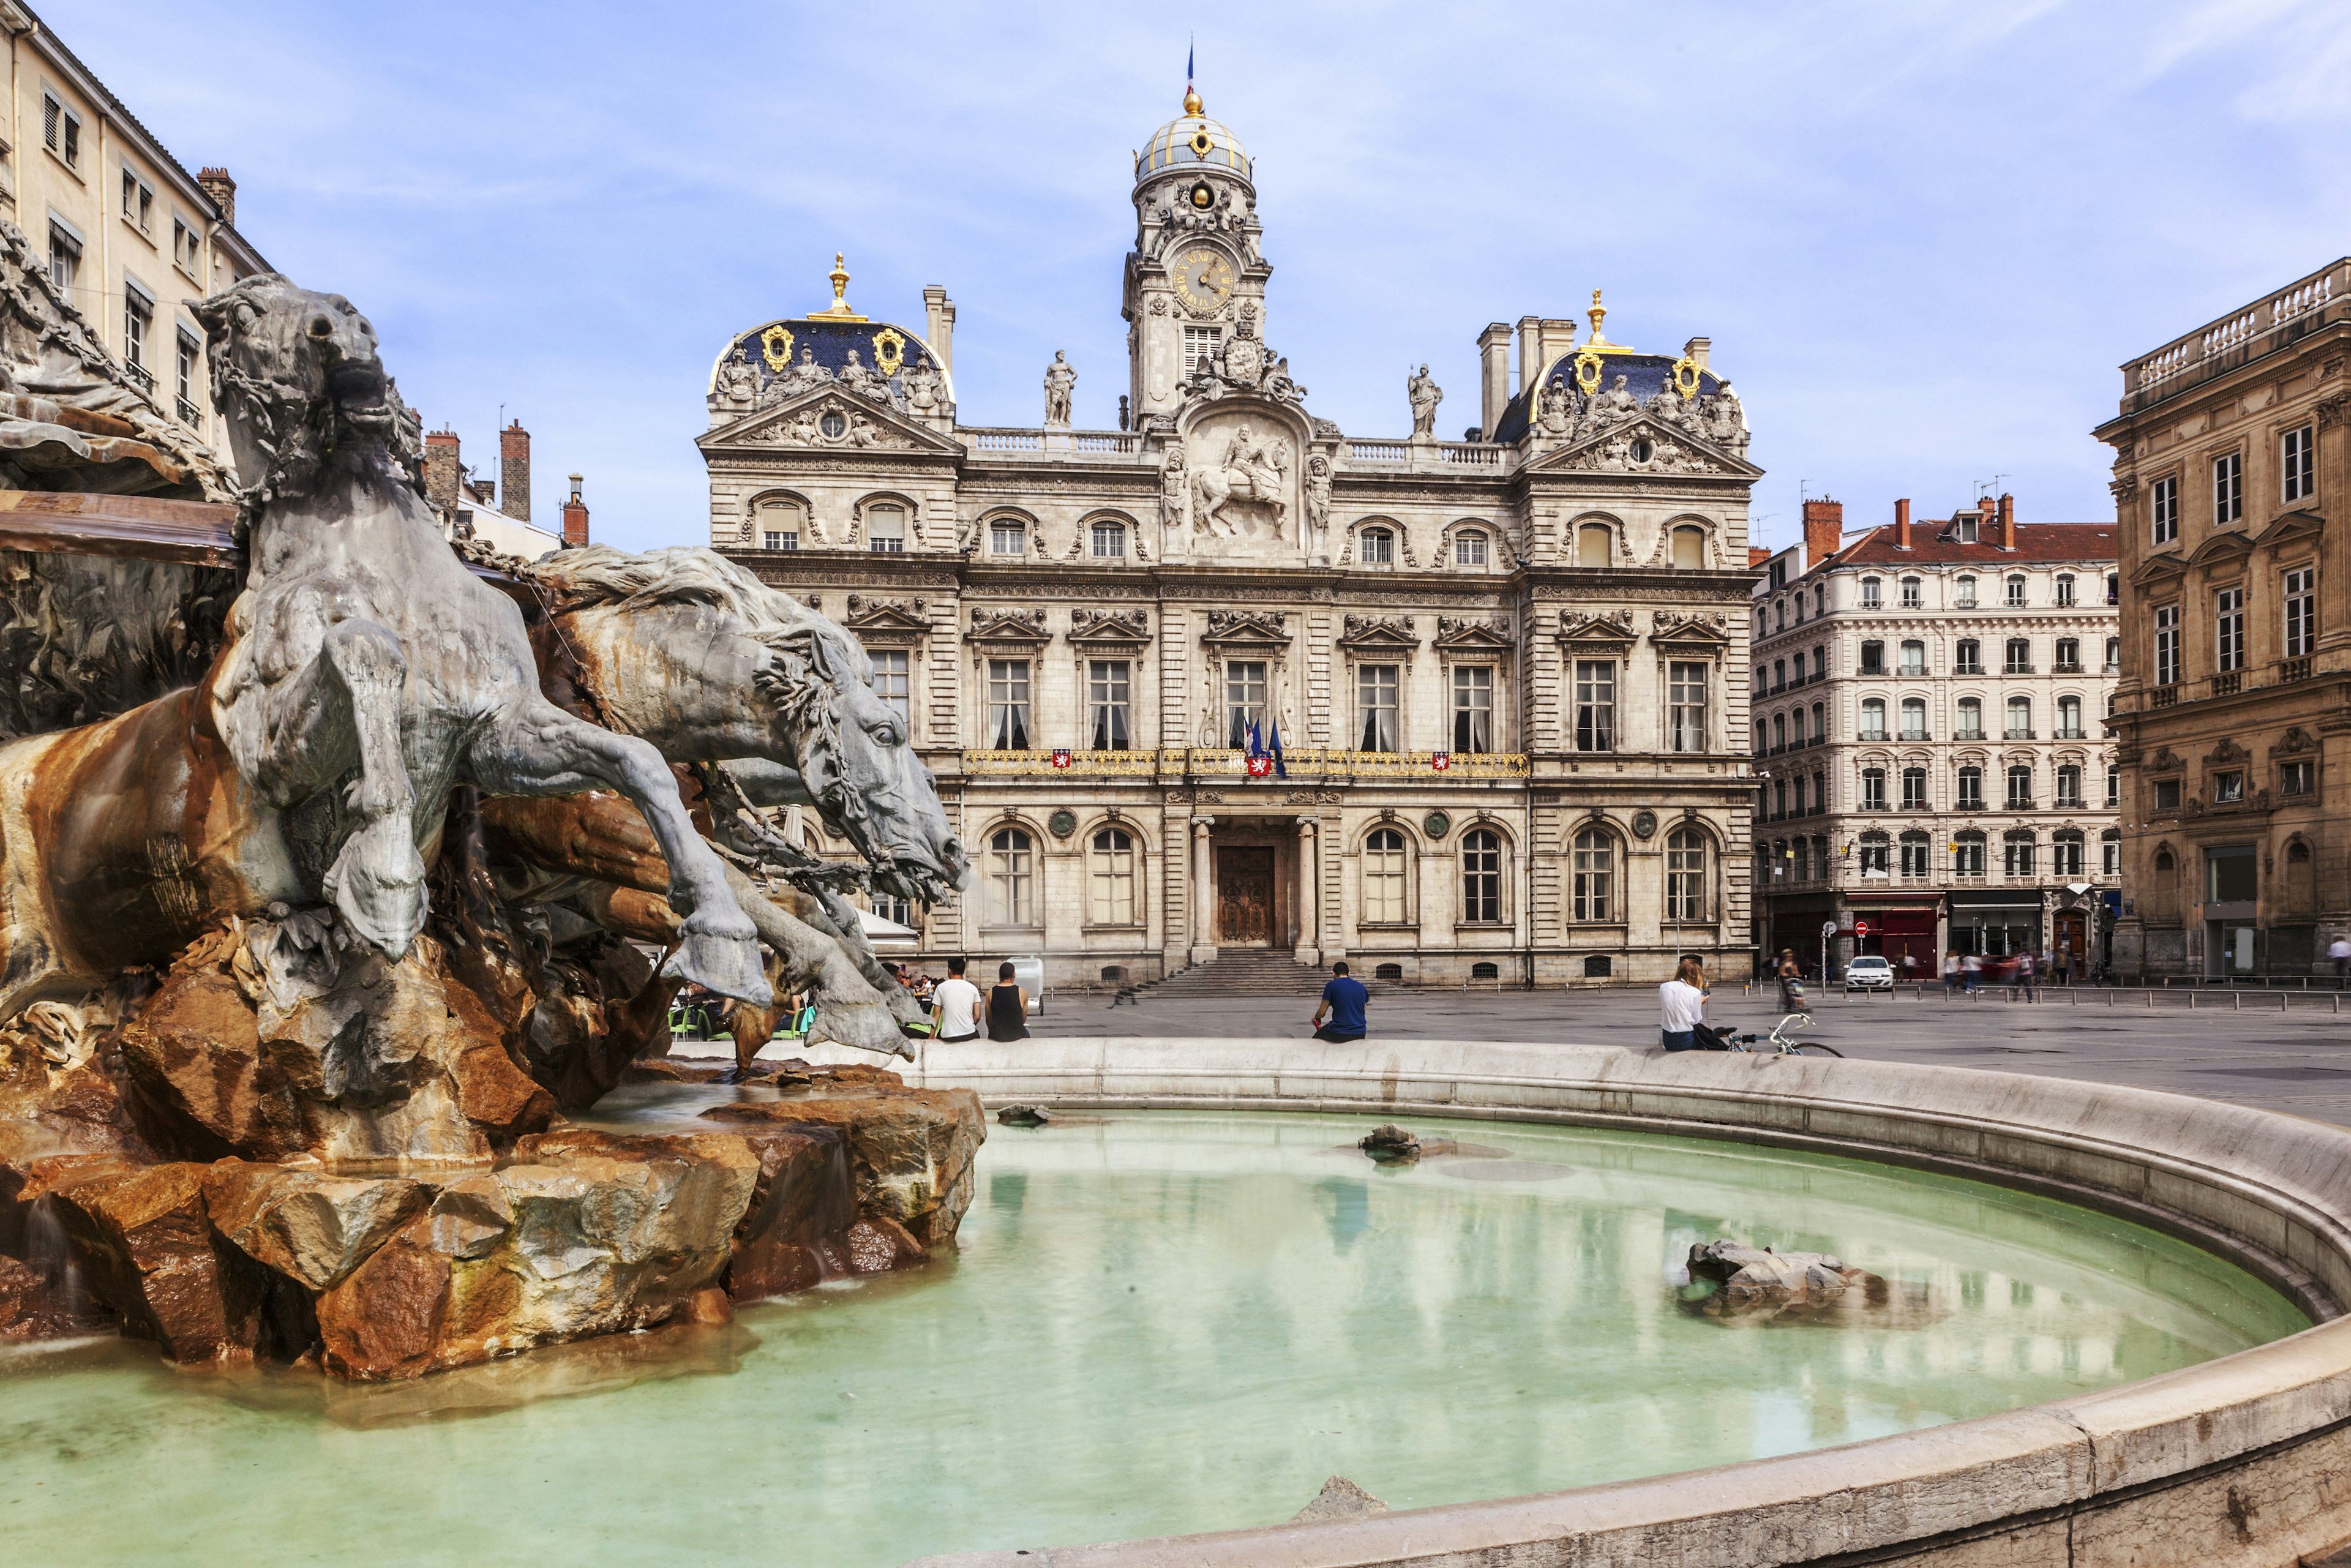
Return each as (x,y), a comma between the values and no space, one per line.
(693,653)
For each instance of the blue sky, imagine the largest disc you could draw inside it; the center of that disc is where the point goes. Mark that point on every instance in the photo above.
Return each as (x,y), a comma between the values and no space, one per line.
(1921,235)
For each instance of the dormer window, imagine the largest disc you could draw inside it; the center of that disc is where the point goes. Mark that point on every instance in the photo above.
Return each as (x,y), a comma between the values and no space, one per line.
(1967,531)
(1470,548)
(1378,546)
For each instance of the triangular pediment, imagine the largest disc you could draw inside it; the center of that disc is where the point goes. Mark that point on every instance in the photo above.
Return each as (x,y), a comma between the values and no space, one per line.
(1120,628)
(2286,530)
(2222,546)
(1394,633)
(1577,627)
(1256,627)
(1455,634)
(826,419)
(2160,568)
(1671,451)
(1692,633)
(888,620)
(1010,625)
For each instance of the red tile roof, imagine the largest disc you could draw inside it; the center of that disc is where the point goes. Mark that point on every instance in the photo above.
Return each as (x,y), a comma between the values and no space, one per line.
(2034,542)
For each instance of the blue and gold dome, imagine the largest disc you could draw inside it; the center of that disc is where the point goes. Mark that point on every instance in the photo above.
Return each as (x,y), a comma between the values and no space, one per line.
(1191,140)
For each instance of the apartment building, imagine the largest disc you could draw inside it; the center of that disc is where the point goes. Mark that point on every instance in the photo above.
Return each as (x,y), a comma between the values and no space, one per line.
(1927,708)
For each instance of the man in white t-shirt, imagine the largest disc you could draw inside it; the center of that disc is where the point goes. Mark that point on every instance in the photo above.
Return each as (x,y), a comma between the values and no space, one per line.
(955,1006)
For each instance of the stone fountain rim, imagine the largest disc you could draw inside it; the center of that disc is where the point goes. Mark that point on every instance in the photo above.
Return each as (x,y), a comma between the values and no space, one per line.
(2141,1460)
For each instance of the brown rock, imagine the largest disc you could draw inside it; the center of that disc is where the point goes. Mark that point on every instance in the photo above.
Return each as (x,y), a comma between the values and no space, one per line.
(312,1229)
(30,1309)
(804,1201)
(147,1251)
(911,1150)
(663,1070)
(879,1244)
(585,1233)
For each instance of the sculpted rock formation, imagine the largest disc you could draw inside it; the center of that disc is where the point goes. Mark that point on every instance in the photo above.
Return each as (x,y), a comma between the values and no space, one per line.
(1760,1283)
(911,1150)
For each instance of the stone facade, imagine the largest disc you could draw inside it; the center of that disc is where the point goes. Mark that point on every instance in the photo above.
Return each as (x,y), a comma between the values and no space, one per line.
(128,233)
(2230,453)
(1507,675)
(1928,703)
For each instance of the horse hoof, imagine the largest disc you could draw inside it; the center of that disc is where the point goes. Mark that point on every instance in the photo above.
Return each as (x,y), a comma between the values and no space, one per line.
(378,884)
(727,964)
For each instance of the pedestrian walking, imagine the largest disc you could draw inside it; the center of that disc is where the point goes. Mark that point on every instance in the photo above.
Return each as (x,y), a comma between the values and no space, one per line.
(1681,1005)
(1792,982)
(1342,998)
(1970,972)
(2024,968)
(1008,1006)
(2340,951)
(955,1006)
(1950,972)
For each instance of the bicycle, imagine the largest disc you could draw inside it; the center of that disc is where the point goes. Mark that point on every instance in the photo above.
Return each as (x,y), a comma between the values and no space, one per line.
(1779,1042)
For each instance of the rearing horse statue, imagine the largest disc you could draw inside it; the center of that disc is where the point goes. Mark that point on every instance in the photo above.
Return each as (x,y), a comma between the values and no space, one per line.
(368,671)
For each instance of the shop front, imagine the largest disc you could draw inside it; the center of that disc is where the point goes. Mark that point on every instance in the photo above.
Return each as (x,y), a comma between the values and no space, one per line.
(1904,928)
(1995,924)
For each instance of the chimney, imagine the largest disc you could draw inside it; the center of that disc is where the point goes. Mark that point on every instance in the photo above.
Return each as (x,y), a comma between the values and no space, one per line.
(1558,339)
(575,518)
(1529,350)
(1757,555)
(514,471)
(1902,523)
(2007,521)
(216,183)
(442,469)
(1696,352)
(938,313)
(1823,530)
(1493,377)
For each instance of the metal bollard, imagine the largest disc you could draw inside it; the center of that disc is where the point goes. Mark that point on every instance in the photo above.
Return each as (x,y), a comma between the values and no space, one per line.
(2236,1001)
(2151,1001)
(2191,1001)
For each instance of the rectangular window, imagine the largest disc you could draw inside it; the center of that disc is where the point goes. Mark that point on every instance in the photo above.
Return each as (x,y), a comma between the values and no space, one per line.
(2114,655)
(187,355)
(2065,591)
(2294,778)
(1245,693)
(1873,788)
(2228,488)
(1971,790)
(1869,599)
(185,240)
(2167,794)
(1875,849)
(2068,661)
(2301,612)
(1473,709)
(138,317)
(1914,854)
(1007,704)
(2163,502)
(1007,539)
(1914,658)
(1910,595)
(2167,644)
(2113,790)
(1200,347)
(2020,655)
(1108,703)
(2069,786)
(780,538)
(61,129)
(2110,856)
(1971,720)
(1375,703)
(1595,704)
(1967,659)
(2228,629)
(2229,786)
(894,681)
(886,530)
(1914,789)
(1378,546)
(65,259)
(1685,708)
(2298,460)
(1873,719)
(138,202)
(1470,548)
(1873,658)
(2019,789)
(1965,595)
(2016,593)
(2016,854)
(1110,541)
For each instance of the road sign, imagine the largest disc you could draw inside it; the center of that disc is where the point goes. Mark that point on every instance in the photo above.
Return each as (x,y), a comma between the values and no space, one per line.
(1828,929)
(1861,928)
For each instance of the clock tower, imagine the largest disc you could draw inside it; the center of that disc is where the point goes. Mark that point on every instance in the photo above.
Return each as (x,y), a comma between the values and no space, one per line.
(1196,274)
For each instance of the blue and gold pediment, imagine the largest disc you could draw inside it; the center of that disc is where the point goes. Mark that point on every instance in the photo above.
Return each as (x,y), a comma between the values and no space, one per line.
(783,355)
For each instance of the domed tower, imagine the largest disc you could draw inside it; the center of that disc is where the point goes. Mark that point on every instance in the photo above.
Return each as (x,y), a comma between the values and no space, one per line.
(1194,279)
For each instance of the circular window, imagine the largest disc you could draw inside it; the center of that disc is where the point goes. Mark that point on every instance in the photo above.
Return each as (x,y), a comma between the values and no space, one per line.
(834,424)
(1201,144)
(1644,823)
(1642,450)
(1202,196)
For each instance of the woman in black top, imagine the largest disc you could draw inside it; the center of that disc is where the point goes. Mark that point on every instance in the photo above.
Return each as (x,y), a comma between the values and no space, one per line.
(1008,1007)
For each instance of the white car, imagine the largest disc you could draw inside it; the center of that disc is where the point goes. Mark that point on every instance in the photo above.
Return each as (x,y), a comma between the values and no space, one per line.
(1869,972)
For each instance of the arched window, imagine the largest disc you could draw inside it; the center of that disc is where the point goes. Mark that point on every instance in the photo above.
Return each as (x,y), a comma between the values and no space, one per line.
(885,527)
(2020,657)
(1376,547)
(2016,591)
(1819,598)
(1871,597)
(1914,853)
(1971,722)
(2020,787)
(1781,614)
(2069,718)
(1687,878)
(1011,877)
(1762,737)
(2064,588)
(1873,788)
(1689,548)
(1911,596)
(1595,545)
(2068,660)
(1914,658)
(1384,878)
(1873,719)
(1875,852)
(1968,853)
(2066,853)
(2020,719)
(1963,593)
(1914,718)
(1778,732)
(2069,786)
(1803,871)
(1482,877)
(1595,875)
(1470,548)
(1008,536)
(2016,847)
(1109,540)
(1114,878)
(778,522)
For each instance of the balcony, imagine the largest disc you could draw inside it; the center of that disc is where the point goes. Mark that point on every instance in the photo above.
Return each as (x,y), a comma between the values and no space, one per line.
(2162,696)
(189,413)
(2294,669)
(1915,735)
(140,378)
(2066,667)
(2227,683)
(2077,733)
(2016,735)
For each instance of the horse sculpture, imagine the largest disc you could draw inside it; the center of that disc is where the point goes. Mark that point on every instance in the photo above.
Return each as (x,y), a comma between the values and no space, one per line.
(1252,470)
(368,672)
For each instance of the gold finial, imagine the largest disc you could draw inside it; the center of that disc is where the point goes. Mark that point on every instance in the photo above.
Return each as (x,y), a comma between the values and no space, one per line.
(838,310)
(1598,313)
(1191,99)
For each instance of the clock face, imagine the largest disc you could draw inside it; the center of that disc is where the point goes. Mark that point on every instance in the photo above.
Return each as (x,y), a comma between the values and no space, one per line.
(1204,279)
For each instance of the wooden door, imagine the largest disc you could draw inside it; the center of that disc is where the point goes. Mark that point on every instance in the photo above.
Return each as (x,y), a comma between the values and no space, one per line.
(1245,897)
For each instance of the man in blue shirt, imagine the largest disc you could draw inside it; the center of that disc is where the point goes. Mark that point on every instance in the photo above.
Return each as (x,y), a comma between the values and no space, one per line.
(1344,1000)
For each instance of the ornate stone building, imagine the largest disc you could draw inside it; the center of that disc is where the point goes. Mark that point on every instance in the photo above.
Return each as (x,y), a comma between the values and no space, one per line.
(2231,455)
(1502,681)
(1932,774)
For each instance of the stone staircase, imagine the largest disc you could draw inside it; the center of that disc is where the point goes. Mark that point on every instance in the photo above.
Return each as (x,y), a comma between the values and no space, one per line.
(1240,972)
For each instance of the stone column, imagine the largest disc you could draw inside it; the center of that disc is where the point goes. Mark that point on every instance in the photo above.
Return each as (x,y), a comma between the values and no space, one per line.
(1204,893)
(1310,883)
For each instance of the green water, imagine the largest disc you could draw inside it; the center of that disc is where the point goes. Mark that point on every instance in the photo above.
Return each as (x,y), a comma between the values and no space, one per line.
(1158,1323)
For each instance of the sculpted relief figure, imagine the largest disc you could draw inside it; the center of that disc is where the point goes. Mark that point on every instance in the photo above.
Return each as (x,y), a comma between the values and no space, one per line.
(1172,489)
(1425,394)
(1558,409)
(866,380)
(739,385)
(1250,470)
(804,374)
(1060,380)
(1725,420)
(1318,502)
(1616,403)
(926,392)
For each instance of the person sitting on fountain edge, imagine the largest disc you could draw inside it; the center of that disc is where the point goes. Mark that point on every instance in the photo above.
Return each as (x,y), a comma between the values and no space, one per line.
(1344,1000)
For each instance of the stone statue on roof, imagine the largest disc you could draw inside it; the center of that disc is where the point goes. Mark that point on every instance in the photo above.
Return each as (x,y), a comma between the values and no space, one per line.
(1061,385)
(1425,394)
(1616,403)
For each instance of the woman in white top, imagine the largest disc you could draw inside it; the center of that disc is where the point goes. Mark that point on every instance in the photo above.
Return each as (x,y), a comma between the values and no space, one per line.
(1681,1005)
